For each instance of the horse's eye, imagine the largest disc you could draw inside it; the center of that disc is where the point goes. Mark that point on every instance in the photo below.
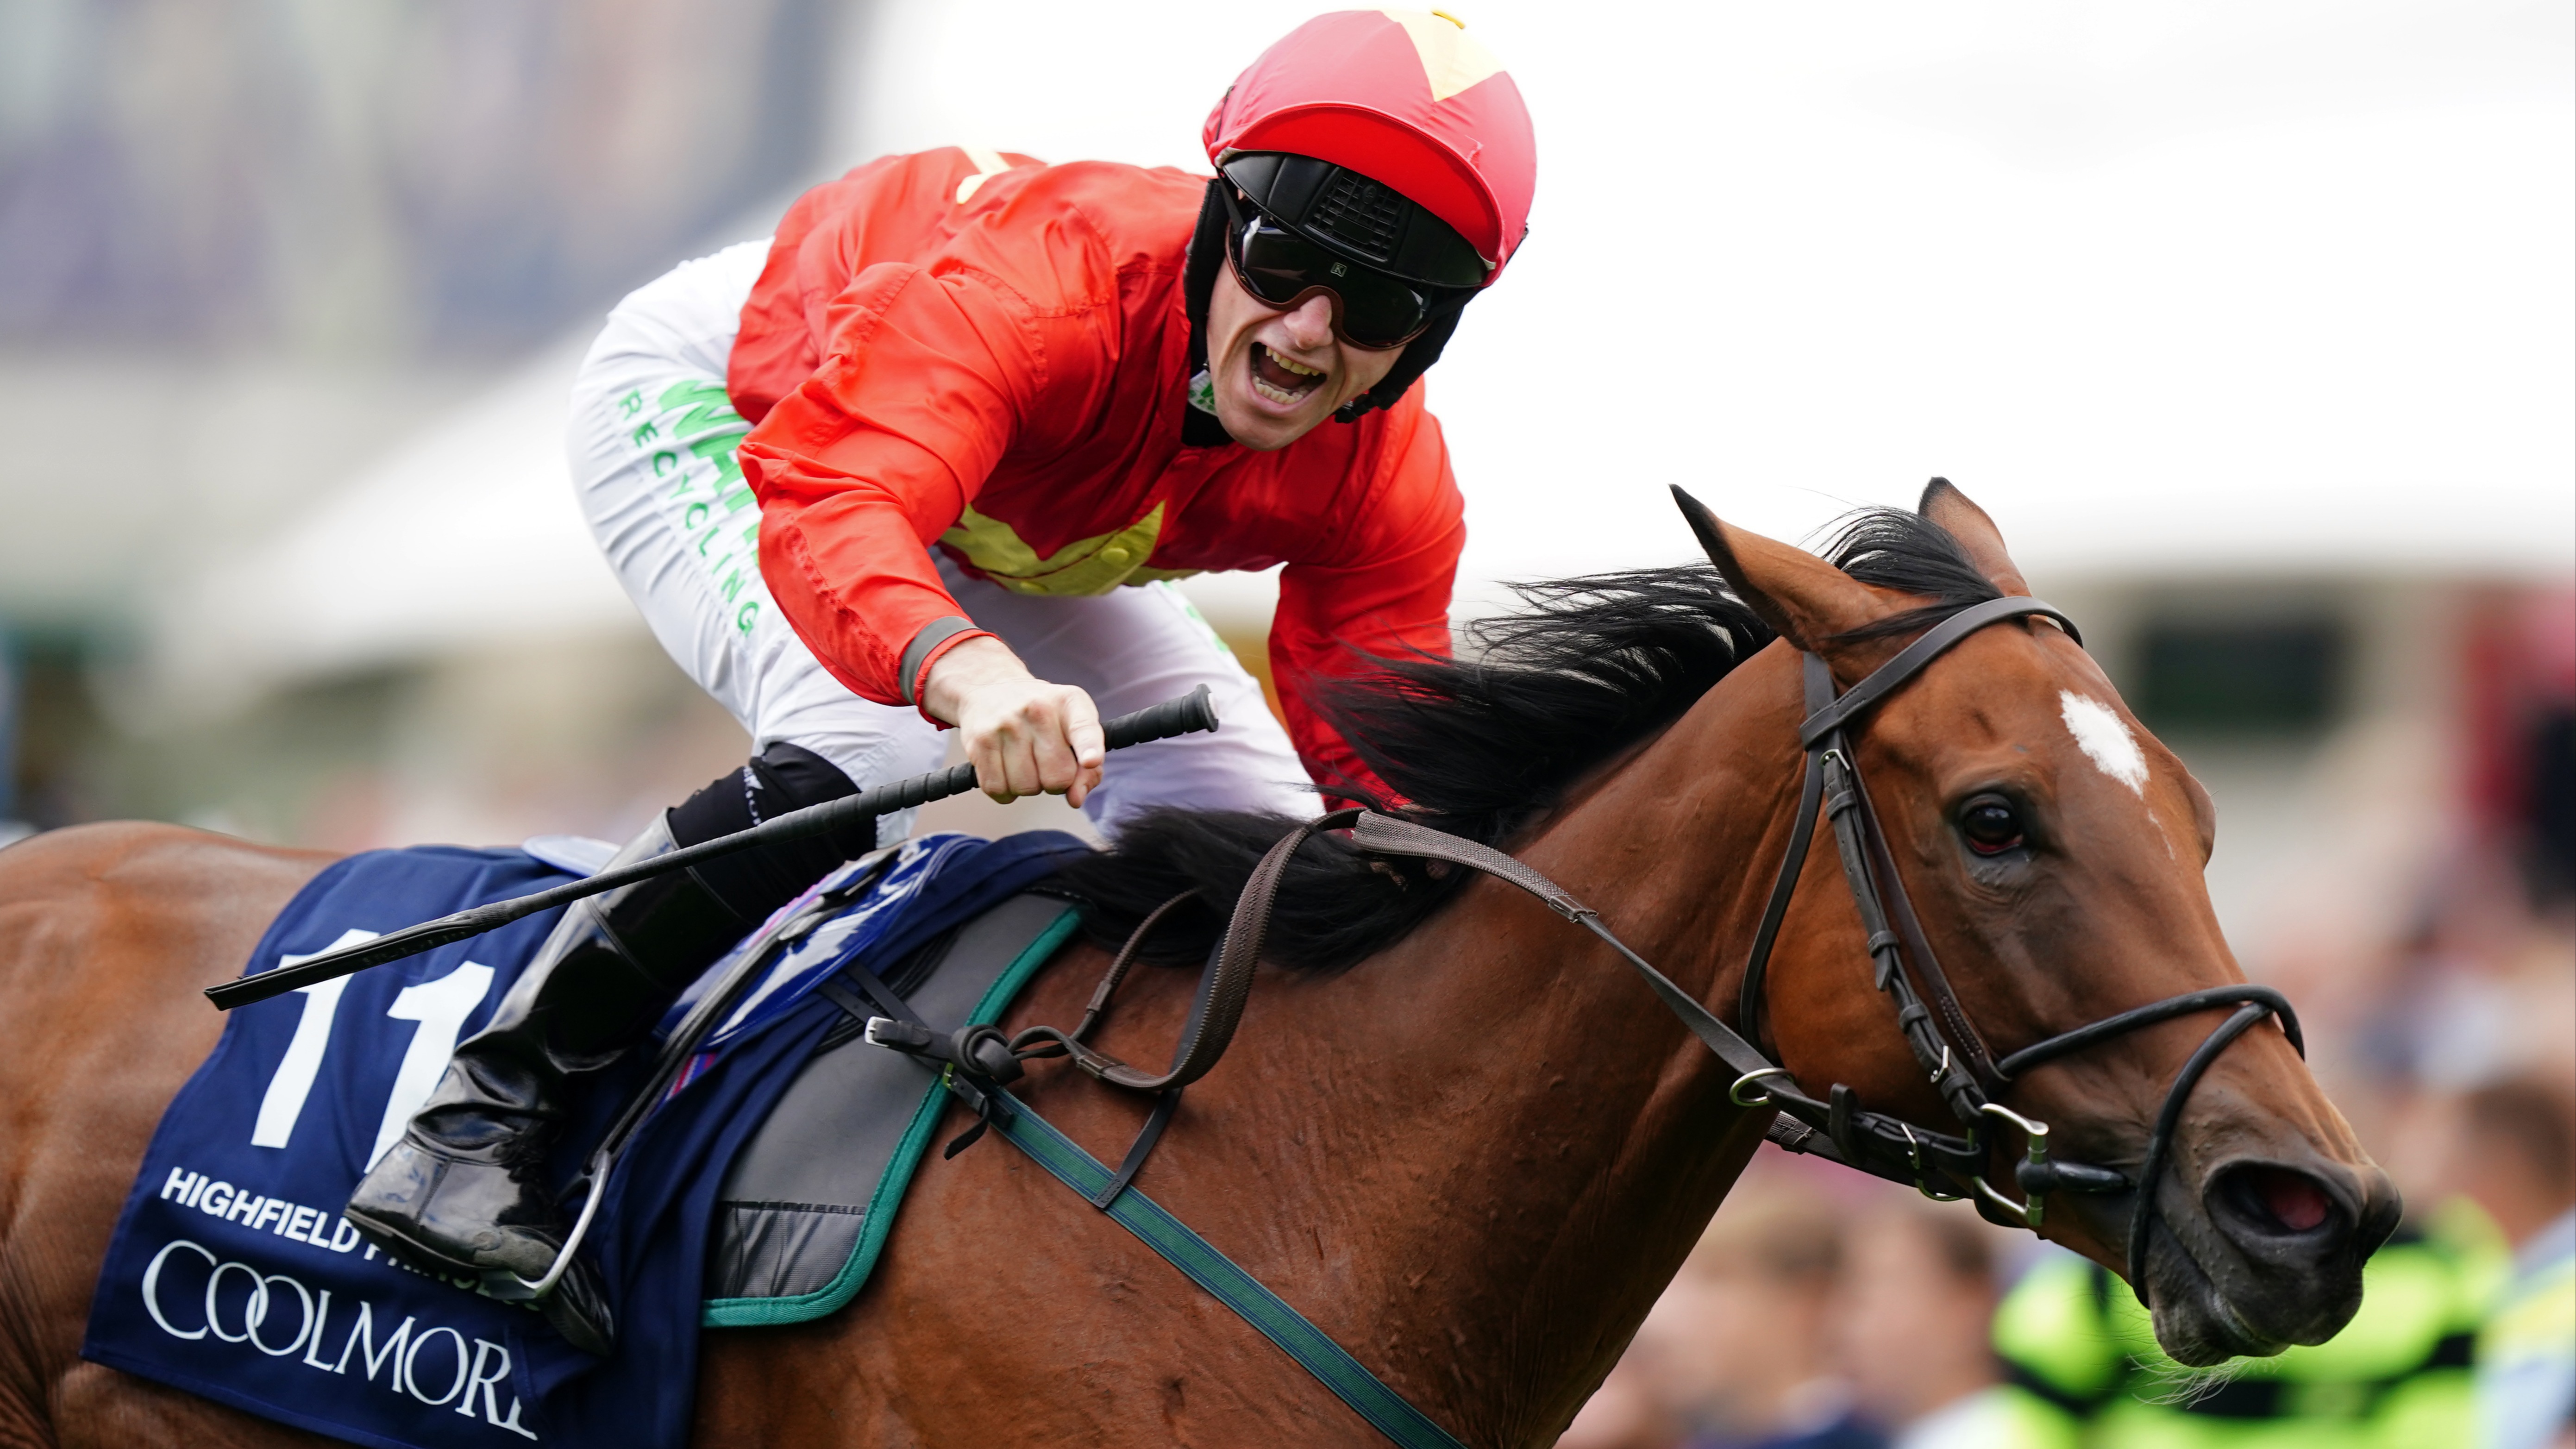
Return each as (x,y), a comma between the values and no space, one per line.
(1992,826)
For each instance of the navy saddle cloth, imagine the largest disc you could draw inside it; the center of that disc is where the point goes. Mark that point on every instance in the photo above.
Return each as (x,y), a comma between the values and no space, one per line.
(759,1190)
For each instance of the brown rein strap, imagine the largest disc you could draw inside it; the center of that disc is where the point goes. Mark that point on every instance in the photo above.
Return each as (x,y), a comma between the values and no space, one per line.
(1093,1009)
(1227,982)
(1223,987)
(1384,835)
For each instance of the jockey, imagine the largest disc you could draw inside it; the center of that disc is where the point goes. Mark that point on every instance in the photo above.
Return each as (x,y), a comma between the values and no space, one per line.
(986,408)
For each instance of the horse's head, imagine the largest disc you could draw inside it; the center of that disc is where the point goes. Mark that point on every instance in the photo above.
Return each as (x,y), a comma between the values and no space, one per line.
(2053,851)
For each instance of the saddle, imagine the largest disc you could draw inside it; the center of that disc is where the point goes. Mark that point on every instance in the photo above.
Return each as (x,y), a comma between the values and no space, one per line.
(807,1205)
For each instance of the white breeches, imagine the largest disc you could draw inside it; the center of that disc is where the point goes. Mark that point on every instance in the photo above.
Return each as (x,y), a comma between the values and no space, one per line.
(652,440)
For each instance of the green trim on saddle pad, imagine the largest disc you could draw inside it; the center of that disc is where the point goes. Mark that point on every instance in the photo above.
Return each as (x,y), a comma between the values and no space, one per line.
(888,1197)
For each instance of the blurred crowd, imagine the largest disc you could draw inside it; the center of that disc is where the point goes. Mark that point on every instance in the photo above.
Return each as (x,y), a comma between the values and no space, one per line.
(1827,1311)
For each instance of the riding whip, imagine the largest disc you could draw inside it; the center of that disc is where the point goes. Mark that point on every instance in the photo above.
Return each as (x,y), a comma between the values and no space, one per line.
(1189,714)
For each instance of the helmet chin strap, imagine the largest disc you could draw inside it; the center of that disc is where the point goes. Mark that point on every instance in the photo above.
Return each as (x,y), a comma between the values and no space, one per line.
(1198,288)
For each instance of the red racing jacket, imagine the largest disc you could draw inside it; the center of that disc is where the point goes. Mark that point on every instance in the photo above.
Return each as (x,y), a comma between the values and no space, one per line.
(990,357)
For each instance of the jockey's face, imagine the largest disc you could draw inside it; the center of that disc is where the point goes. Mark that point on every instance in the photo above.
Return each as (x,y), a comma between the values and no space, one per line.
(1277,374)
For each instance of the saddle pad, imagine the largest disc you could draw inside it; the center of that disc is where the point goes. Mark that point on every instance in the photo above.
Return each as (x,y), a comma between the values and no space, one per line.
(805,1210)
(231,1274)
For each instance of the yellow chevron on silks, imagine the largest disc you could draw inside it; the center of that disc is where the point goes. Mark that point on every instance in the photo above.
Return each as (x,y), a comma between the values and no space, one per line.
(1085,566)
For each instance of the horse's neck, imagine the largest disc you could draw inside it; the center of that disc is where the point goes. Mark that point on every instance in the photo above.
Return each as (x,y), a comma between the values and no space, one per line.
(1566,1137)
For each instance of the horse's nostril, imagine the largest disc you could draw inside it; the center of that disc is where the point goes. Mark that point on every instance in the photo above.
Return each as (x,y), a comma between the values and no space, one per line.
(2292,1199)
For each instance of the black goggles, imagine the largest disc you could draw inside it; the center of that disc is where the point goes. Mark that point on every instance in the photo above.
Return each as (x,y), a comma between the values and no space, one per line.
(1283,269)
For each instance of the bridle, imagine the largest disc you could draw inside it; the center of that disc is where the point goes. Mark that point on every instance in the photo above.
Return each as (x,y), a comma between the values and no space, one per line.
(1928,1013)
(977,1062)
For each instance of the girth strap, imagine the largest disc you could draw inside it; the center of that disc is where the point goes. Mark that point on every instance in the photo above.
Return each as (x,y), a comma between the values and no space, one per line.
(1313,1349)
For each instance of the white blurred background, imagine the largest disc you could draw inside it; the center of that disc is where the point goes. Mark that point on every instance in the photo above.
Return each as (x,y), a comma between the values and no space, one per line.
(2220,283)
(2253,325)
(2250,313)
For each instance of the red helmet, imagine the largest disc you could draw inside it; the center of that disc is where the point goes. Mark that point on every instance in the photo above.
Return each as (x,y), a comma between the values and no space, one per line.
(1405,98)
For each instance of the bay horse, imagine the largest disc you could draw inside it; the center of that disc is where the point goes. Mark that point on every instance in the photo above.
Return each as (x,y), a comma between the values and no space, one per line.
(1455,1133)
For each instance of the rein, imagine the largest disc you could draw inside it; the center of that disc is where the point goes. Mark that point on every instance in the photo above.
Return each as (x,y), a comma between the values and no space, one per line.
(1929,1015)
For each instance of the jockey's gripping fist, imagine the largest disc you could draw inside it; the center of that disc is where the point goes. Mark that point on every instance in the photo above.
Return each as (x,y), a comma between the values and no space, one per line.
(1024,736)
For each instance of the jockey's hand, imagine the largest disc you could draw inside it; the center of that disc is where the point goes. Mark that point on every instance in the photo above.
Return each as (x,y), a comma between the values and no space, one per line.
(1023,735)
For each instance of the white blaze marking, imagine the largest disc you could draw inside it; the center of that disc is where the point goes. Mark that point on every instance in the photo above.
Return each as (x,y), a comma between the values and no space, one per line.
(2105,740)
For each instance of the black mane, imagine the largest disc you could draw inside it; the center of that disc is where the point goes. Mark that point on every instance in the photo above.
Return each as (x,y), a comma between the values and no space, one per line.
(1487,743)
(1906,552)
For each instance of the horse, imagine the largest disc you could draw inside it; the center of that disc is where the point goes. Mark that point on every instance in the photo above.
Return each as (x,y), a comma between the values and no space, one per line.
(1452,1131)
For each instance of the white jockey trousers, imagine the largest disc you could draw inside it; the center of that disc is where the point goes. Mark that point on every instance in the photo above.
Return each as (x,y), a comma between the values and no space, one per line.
(652,450)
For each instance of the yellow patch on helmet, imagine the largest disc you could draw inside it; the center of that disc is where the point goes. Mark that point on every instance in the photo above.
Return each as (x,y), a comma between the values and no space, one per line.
(1452,60)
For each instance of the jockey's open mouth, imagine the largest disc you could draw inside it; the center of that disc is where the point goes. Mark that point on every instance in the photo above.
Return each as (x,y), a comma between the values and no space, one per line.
(1283,380)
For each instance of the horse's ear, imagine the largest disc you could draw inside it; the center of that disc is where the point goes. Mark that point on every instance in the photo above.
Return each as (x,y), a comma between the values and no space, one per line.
(1803,598)
(1945,505)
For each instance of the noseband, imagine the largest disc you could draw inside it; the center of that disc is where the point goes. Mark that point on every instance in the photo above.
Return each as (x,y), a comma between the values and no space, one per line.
(1928,1013)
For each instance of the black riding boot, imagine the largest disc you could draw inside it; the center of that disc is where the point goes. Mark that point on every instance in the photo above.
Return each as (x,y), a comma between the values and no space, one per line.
(465,1186)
